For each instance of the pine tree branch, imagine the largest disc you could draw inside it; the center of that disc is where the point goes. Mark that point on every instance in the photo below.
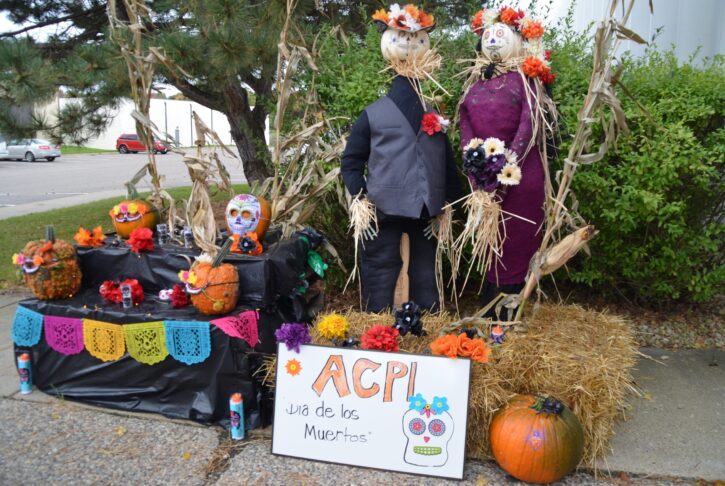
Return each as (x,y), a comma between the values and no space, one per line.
(196,94)
(58,20)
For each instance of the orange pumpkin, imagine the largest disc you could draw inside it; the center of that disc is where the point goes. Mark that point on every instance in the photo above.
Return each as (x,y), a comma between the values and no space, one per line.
(50,267)
(131,214)
(246,213)
(213,285)
(536,439)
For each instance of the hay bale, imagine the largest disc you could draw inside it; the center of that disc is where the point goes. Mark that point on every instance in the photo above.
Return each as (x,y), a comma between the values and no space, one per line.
(584,358)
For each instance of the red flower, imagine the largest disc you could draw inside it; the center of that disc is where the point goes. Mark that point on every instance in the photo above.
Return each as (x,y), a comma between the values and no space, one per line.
(141,240)
(547,77)
(430,123)
(380,337)
(547,55)
(510,16)
(111,291)
(179,297)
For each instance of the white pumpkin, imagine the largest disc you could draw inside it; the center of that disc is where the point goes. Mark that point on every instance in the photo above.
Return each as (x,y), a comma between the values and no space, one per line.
(501,43)
(399,45)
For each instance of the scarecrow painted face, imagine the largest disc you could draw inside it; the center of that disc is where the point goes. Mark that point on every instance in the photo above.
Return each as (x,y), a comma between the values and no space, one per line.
(500,42)
(399,45)
(243,214)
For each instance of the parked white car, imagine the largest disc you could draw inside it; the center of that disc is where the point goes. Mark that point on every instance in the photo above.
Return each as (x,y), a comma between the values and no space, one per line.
(31,149)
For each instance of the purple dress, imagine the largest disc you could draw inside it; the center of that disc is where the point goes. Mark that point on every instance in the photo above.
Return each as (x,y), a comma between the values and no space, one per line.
(498,108)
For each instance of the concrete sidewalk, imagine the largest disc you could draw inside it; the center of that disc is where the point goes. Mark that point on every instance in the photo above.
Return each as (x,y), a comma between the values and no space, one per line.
(675,430)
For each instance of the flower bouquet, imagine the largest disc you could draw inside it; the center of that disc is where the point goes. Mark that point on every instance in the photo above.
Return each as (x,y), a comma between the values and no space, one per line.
(489,165)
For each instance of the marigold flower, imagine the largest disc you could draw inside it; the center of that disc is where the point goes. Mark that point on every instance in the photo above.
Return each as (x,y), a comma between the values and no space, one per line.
(533,66)
(380,337)
(510,16)
(477,22)
(381,15)
(445,346)
(333,326)
(532,30)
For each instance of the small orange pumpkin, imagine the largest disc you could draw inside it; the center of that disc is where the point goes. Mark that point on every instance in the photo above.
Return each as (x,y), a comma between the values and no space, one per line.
(214,287)
(247,213)
(131,214)
(536,439)
(50,267)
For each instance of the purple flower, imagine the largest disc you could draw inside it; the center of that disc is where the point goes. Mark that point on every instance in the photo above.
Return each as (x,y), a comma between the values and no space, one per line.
(495,163)
(293,335)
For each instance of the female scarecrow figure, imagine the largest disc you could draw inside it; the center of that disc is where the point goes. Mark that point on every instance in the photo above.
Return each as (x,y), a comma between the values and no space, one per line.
(411,171)
(505,119)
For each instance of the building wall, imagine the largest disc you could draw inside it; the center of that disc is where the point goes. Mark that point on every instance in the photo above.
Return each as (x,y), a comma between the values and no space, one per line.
(167,115)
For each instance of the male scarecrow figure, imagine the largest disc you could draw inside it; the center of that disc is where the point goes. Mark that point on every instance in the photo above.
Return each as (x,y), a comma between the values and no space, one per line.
(411,172)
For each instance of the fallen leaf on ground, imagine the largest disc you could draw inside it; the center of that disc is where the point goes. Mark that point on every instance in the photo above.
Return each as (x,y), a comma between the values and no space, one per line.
(120,431)
(647,396)
(187,456)
(481,482)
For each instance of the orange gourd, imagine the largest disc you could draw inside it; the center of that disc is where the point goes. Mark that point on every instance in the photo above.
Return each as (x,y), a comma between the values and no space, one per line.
(131,214)
(536,439)
(50,267)
(214,287)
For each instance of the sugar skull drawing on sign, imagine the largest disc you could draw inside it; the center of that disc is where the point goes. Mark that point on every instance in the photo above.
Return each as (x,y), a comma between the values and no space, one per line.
(428,428)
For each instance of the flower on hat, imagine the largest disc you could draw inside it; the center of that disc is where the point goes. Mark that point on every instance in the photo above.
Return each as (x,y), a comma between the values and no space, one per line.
(511,17)
(532,29)
(409,18)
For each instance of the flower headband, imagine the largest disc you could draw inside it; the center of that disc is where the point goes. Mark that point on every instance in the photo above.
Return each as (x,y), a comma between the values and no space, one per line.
(528,28)
(409,18)
(436,407)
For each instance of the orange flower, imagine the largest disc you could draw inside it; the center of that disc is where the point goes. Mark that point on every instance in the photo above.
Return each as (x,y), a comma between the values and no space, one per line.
(293,367)
(381,15)
(479,351)
(510,16)
(477,22)
(445,346)
(85,238)
(463,342)
(533,66)
(425,20)
(412,10)
(532,30)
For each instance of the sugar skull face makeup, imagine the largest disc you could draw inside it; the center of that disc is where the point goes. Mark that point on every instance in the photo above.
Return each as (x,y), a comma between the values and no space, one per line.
(500,42)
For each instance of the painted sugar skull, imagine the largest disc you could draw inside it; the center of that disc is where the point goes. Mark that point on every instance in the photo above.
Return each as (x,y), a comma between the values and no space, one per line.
(131,214)
(247,214)
(428,428)
(405,32)
(500,42)
(50,267)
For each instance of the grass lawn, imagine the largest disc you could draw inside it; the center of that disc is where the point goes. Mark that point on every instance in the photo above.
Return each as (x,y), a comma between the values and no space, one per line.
(74,149)
(15,232)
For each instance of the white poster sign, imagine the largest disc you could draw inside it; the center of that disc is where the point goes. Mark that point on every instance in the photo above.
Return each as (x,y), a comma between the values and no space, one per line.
(393,411)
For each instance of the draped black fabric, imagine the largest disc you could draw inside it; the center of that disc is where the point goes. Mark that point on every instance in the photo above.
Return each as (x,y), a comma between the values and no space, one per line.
(199,392)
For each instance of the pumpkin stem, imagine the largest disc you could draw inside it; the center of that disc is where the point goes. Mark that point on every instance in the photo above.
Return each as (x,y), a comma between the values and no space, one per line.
(222,253)
(50,233)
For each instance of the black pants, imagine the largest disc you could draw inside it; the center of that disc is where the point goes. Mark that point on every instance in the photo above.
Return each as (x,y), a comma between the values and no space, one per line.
(381,264)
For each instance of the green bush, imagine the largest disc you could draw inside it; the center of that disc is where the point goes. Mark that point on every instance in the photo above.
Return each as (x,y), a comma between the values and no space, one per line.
(657,197)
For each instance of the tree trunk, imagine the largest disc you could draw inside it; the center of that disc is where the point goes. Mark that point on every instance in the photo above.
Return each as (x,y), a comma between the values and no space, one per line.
(247,130)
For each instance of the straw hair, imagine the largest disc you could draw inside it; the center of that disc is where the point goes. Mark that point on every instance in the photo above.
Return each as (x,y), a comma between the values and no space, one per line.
(581,357)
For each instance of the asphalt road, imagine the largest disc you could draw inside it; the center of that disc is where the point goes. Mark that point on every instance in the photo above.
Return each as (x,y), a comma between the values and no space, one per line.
(27,187)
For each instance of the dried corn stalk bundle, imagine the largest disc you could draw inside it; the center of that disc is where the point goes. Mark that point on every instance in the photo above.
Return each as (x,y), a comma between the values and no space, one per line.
(601,106)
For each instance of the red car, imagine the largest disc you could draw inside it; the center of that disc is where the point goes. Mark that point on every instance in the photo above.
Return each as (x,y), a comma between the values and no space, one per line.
(129,142)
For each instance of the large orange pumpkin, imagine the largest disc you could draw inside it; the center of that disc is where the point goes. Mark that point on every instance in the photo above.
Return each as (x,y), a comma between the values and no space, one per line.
(247,213)
(131,214)
(536,439)
(50,267)
(213,285)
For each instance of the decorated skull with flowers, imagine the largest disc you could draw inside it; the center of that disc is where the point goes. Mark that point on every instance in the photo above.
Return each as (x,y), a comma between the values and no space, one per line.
(428,427)
(509,34)
(490,165)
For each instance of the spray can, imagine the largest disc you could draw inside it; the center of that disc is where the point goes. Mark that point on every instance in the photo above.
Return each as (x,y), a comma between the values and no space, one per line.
(188,235)
(236,411)
(162,232)
(26,378)
(126,297)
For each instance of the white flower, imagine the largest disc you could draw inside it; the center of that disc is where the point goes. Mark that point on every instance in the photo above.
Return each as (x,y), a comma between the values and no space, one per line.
(511,156)
(510,175)
(493,146)
(412,24)
(444,122)
(535,47)
(473,143)
(204,258)
(490,17)
(395,11)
